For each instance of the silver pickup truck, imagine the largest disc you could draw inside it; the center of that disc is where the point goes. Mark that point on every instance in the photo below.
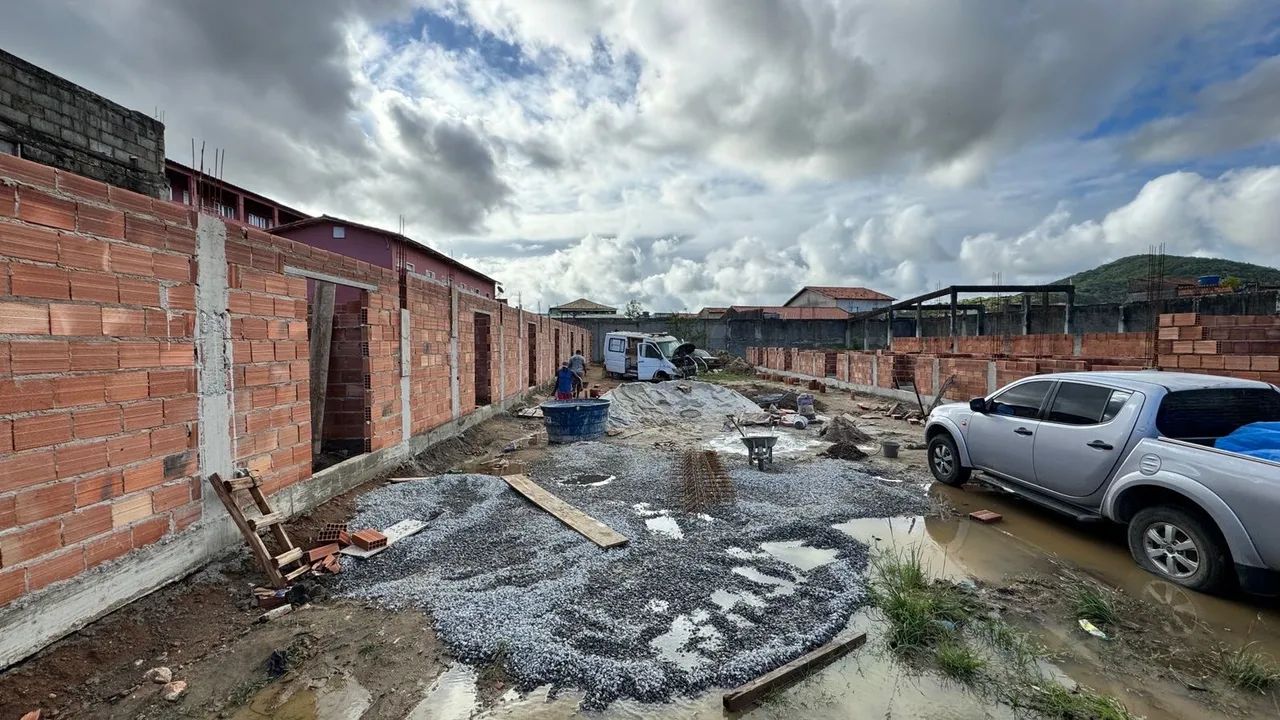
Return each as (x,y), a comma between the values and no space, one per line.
(1135,448)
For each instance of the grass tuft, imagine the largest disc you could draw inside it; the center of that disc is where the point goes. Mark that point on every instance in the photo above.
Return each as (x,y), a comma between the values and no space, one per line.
(1249,669)
(1092,605)
(921,613)
(1057,702)
(958,661)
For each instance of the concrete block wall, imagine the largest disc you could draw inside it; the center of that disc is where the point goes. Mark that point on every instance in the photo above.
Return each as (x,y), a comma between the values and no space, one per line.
(143,347)
(58,123)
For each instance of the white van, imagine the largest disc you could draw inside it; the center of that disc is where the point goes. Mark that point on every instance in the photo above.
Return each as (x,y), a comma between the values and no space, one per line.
(643,356)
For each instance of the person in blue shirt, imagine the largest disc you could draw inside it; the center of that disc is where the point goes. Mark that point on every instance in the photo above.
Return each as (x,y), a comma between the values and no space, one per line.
(564,382)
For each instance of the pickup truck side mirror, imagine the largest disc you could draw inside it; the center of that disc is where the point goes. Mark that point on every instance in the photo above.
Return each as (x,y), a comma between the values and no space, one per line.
(978,405)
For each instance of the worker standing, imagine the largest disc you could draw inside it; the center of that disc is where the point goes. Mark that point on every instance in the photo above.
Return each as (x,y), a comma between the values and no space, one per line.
(578,366)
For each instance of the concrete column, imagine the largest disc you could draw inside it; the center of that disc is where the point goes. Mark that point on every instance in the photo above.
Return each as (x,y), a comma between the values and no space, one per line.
(875,370)
(213,357)
(1120,319)
(406,360)
(982,320)
(455,394)
(865,339)
(952,318)
(1026,314)
(991,376)
(502,352)
(1066,313)
(919,321)
(888,333)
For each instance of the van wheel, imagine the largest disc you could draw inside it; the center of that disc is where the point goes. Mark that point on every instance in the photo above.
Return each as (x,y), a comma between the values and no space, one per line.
(1179,546)
(944,461)
(661,376)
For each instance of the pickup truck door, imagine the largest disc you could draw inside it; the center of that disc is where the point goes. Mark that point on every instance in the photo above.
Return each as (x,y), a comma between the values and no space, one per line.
(1001,440)
(1082,436)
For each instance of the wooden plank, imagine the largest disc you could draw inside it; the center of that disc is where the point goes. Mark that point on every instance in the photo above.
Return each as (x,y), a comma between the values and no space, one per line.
(594,530)
(265,521)
(321,324)
(255,543)
(240,483)
(755,690)
(291,555)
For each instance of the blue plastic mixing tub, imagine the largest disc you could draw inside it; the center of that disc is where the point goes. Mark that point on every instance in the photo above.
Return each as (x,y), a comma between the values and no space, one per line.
(574,420)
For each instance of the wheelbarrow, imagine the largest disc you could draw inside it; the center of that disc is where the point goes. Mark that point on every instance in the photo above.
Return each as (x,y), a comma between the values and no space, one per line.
(759,449)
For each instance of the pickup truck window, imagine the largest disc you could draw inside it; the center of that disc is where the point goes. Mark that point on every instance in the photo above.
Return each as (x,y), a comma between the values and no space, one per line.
(1082,404)
(1021,401)
(1117,401)
(1209,414)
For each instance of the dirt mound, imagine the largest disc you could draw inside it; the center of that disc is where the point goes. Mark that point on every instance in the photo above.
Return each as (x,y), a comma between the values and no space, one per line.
(844,451)
(843,430)
(673,401)
(734,364)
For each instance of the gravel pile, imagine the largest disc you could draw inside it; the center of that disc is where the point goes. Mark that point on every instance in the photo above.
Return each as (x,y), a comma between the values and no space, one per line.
(693,602)
(663,403)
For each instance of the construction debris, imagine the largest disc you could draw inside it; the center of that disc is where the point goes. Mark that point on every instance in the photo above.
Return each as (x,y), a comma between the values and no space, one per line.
(391,536)
(368,539)
(158,675)
(321,552)
(703,481)
(269,599)
(985,516)
(331,532)
(274,613)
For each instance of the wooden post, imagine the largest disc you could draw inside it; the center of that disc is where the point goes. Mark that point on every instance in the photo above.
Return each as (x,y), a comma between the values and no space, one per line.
(321,322)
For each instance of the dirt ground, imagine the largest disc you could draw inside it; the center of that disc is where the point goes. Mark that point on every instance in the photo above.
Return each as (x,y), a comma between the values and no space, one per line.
(331,658)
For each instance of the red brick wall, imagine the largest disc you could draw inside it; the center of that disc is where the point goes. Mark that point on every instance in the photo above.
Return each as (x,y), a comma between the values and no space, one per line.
(1243,346)
(970,376)
(98,405)
(97,378)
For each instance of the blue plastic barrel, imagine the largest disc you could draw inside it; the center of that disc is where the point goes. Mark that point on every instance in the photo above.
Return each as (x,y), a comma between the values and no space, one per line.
(574,420)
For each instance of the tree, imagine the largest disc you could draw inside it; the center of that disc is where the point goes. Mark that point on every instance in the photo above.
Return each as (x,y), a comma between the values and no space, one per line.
(633,309)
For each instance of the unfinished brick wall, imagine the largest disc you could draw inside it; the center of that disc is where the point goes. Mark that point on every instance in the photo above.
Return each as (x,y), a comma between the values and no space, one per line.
(1243,346)
(97,380)
(98,384)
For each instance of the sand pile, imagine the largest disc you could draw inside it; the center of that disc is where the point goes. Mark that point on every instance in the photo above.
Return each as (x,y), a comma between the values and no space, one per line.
(674,401)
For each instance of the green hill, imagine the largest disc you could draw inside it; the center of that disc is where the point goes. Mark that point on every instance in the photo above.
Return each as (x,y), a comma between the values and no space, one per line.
(1109,283)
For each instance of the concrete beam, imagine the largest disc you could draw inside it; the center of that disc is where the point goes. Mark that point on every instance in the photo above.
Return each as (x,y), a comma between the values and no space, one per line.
(326,277)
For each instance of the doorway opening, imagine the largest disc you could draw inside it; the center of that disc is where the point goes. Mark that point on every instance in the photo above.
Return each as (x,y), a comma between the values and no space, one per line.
(483,367)
(533,354)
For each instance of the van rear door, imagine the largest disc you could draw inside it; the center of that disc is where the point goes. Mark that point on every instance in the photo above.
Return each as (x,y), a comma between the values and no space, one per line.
(615,354)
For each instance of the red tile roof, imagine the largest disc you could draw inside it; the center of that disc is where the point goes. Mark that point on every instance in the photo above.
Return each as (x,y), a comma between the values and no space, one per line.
(843,293)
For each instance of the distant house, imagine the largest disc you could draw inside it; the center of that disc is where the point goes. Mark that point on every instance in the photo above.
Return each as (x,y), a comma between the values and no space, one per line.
(851,299)
(582,308)
(712,313)
(783,312)
(387,249)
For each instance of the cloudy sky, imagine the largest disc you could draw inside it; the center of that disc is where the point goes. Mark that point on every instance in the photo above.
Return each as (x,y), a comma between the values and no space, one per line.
(720,151)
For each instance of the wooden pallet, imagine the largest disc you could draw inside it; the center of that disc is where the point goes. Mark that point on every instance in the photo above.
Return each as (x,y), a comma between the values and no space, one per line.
(276,566)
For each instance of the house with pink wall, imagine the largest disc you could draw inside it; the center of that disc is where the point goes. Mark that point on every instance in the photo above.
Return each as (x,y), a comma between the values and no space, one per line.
(387,249)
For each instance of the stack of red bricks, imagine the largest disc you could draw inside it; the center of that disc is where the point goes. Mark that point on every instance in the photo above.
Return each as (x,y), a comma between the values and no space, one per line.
(1242,346)
(97,379)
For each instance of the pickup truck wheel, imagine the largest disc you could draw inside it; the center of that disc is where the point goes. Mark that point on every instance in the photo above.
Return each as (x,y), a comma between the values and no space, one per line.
(1178,546)
(944,461)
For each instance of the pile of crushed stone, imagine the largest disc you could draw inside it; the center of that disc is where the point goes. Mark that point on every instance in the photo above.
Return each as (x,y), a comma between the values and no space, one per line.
(662,403)
(694,601)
